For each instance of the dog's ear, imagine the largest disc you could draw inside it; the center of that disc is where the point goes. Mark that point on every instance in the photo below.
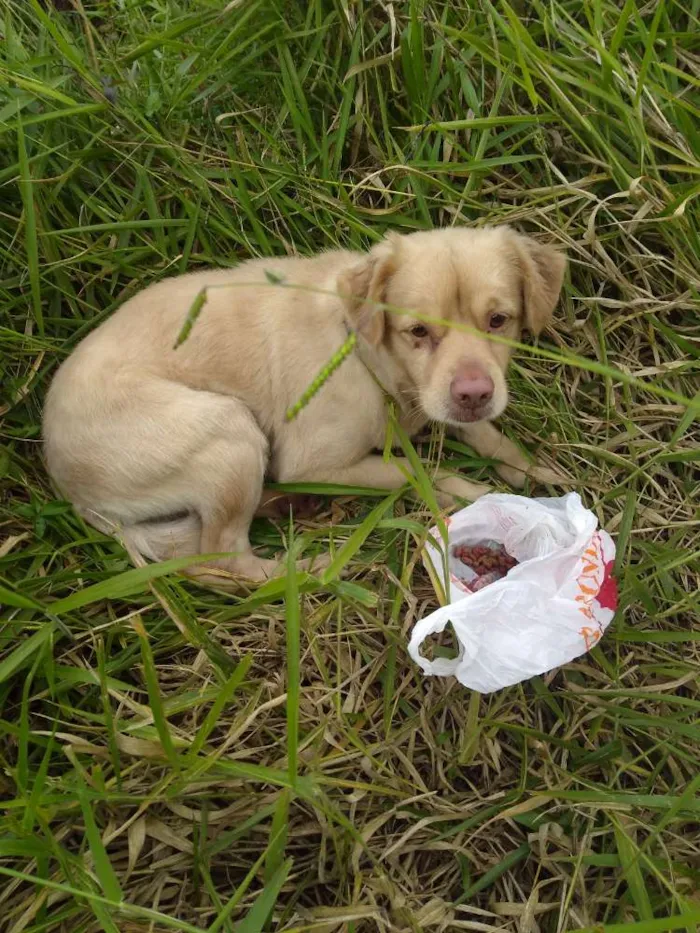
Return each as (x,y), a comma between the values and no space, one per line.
(542,270)
(364,287)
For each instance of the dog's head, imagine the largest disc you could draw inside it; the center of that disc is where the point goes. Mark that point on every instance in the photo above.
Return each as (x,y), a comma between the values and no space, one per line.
(492,279)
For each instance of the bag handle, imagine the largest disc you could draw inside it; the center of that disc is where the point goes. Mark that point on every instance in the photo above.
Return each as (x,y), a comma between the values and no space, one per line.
(434,624)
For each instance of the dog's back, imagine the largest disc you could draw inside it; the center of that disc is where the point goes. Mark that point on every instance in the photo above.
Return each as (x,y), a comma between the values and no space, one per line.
(138,430)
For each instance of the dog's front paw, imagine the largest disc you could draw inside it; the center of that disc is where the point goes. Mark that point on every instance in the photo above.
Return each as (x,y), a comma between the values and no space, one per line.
(543,474)
(453,489)
(512,475)
(516,476)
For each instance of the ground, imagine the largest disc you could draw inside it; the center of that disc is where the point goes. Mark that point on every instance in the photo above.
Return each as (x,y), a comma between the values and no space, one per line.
(176,759)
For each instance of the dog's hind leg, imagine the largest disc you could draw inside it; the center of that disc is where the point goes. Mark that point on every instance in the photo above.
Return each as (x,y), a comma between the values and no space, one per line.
(198,459)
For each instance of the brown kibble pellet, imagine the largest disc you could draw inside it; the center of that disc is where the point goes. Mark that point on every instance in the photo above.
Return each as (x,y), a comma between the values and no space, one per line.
(488,563)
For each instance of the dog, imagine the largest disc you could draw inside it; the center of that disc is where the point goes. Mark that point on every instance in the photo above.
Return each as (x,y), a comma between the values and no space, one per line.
(169,448)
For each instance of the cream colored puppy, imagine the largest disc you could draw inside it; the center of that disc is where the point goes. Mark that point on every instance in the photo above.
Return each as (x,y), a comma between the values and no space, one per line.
(169,448)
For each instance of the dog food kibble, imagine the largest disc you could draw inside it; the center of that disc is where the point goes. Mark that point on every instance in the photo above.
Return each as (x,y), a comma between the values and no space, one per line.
(487,562)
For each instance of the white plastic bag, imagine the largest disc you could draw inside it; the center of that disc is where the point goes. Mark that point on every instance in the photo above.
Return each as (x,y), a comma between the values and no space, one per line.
(549,609)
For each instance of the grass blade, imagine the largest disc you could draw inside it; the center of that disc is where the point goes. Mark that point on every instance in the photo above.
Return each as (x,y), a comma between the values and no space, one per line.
(683,921)
(256,918)
(129,910)
(493,874)
(26,185)
(19,657)
(279,832)
(120,586)
(154,696)
(358,538)
(293,635)
(632,873)
(223,698)
(103,867)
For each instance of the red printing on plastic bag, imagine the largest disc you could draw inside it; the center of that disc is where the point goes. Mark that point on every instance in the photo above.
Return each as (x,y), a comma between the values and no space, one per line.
(607,594)
(603,593)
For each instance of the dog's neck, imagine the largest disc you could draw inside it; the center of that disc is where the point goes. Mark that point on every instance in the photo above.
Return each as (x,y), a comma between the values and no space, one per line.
(398,388)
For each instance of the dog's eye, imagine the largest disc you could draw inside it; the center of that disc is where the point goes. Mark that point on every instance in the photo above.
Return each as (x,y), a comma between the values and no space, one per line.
(419,331)
(496,321)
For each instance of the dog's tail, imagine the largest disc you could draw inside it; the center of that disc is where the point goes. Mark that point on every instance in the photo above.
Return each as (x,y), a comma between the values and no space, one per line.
(170,538)
(163,540)
(156,540)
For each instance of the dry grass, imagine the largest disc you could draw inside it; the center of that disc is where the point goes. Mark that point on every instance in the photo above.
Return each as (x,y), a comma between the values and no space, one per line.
(268,761)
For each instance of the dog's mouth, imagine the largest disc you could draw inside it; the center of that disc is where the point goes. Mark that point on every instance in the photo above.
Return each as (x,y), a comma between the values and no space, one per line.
(469,415)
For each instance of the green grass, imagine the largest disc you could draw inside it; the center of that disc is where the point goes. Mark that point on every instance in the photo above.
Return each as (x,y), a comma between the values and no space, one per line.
(173,759)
